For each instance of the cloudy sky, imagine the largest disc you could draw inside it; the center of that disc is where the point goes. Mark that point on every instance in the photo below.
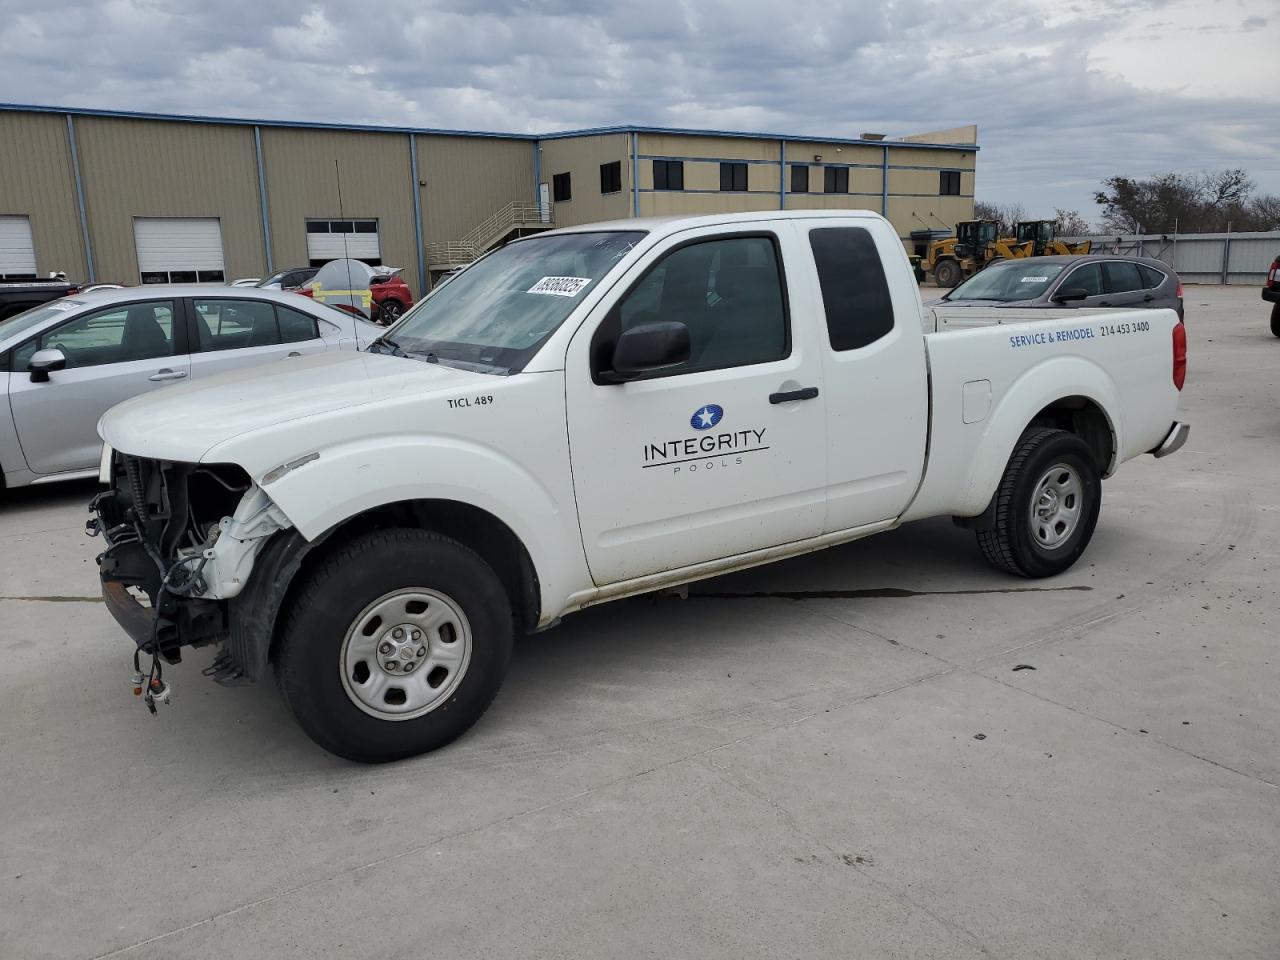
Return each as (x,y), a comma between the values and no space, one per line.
(1065,92)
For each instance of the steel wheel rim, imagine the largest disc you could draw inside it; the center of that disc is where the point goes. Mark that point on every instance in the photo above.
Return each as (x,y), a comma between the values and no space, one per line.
(1056,506)
(405,653)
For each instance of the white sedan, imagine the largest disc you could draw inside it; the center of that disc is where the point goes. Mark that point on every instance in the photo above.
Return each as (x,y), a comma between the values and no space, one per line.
(64,363)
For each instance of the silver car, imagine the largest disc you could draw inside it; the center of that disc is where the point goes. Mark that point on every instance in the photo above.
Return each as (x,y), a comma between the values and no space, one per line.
(1089,280)
(64,363)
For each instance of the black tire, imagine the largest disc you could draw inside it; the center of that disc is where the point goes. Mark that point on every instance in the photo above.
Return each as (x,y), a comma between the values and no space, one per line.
(389,312)
(1016,545)
(947,273)
(1275,319)
(310,660)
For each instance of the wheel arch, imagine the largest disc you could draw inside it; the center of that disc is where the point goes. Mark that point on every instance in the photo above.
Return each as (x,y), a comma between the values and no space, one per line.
(258,615)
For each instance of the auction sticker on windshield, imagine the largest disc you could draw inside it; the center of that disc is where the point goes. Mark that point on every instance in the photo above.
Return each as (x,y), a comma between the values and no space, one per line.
(560,286)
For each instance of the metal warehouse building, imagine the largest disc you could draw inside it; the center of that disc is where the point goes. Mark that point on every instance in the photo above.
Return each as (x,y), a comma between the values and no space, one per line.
(146,198)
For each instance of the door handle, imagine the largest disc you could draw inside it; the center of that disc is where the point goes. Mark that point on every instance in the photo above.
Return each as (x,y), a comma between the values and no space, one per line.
(293,353)
(167,375)
(1148,298)
(1104,303)
(787,396)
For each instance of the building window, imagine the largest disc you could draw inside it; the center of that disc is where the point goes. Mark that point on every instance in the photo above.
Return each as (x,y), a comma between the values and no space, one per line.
(17,251)
(836,180)
(949,183)
(733,177)
(561,190)
(611,177)
(668,174)
(799,179)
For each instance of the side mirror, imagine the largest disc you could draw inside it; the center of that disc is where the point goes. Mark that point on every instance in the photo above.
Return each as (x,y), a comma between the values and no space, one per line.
(1067,296)
(44,362)
(649,347)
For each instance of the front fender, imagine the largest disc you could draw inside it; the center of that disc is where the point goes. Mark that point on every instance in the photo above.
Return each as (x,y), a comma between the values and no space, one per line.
(357,476)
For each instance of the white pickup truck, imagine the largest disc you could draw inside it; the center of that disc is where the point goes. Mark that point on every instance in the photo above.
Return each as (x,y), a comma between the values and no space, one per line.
(593,413)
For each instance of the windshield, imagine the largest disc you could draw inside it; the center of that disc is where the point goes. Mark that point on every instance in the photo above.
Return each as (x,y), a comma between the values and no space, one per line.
(20,323)
(500,310)
(274,278)
(1011,280)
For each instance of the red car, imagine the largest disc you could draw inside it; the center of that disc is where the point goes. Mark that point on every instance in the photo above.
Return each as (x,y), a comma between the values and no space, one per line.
(1271,294)
(391,295)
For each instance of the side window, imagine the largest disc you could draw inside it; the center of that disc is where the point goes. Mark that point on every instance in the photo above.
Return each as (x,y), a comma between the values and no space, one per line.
(561,188)
(949,183)
(799,179)
(835,180)
(1122,277)
(138,331)
(1087,278)
(1151,277)
(855,290)
(733,177)
(295,326)
(668,174)
(233,324)
(728,292)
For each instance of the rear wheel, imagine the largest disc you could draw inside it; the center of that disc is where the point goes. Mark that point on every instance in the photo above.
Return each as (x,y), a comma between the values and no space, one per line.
(1046,506)
(947,273)
(389,312)
(1275,319)
(396,645)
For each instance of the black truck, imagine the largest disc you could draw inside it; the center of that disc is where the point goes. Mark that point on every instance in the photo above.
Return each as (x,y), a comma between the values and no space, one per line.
(17,296)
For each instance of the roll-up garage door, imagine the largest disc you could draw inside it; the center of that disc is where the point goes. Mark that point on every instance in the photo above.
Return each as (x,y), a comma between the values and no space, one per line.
(342,239)
(179,249)
(17,252)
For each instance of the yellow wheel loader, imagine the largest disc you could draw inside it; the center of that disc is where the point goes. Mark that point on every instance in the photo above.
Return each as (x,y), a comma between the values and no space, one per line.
(1043,235)
(976,243)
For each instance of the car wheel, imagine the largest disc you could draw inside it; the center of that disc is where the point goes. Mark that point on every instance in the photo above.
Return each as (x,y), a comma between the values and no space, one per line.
(396,645)
(1275,319)
(947,273)
(1046,506)
(390,312)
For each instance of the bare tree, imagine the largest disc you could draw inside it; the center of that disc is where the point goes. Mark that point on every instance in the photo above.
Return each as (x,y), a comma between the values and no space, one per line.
(1069,223)
(1006,214)
(1187,203)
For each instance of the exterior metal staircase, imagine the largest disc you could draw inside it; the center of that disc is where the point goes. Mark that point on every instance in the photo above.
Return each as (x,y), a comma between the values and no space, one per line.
(518,215)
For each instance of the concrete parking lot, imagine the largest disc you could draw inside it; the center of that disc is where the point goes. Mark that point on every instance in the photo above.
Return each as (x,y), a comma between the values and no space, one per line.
(885,750)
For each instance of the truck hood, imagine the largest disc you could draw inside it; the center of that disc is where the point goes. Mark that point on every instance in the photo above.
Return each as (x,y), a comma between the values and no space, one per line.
(184,423)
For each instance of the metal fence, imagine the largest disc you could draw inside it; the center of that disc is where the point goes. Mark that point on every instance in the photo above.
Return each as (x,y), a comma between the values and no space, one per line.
(1241,258)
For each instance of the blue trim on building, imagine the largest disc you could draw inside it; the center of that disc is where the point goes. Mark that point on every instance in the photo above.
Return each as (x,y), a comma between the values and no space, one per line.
(884,185)
(635,177)
(84,216)
(782,174)
(423,285)
(263,211)
(434,131)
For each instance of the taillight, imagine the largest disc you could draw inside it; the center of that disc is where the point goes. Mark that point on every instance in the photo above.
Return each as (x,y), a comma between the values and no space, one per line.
(71,291)
(1179,354)
(1179,294)
(1271,274)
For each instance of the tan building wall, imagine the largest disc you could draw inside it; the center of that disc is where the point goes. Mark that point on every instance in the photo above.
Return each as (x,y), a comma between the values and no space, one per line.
(581,158)
(302,183)
(148,168)
(677,145)
(37,181)
(468,180)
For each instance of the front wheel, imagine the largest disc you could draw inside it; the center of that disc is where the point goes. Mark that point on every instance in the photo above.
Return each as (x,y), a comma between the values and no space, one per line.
(947,273)
(1275,319)
(395,646)
(1046,506)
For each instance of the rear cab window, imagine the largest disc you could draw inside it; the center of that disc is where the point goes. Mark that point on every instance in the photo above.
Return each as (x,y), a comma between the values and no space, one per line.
(855,290)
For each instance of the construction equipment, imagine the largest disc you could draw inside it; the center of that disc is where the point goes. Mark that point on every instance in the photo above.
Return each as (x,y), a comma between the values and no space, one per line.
(1043,234)
(975,244)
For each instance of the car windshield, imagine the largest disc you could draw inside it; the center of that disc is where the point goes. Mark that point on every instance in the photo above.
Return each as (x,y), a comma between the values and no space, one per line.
(274,278)
(20,323)
(500,310)
(1008,281)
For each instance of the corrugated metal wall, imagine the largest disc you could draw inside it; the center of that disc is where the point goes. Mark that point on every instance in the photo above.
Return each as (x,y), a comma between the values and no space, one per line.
(148,168)
(36,180)
(303,171)
(581,158)
(469,179)
(1241,258)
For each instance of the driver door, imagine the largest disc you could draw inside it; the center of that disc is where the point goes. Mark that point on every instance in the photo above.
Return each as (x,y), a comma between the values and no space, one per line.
(112,354)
